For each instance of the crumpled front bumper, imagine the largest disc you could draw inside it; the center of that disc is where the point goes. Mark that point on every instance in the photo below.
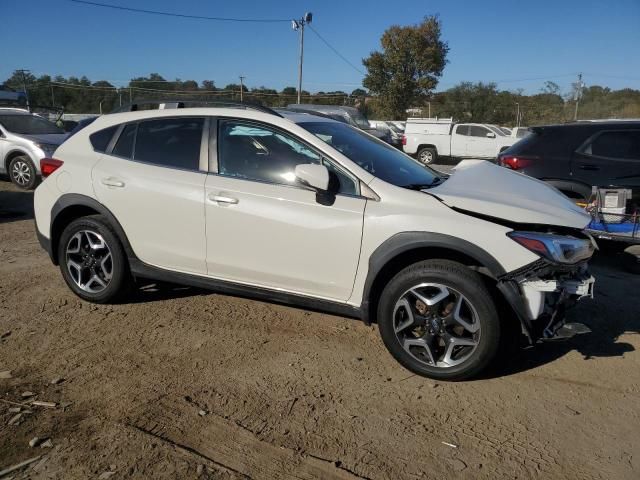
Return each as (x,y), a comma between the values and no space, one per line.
(541,292)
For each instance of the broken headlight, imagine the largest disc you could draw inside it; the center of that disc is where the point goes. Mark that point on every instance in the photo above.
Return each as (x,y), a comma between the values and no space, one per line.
(557,248)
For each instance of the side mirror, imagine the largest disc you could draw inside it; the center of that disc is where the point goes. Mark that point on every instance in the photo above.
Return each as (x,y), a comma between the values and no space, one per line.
(315,176)
(491,135)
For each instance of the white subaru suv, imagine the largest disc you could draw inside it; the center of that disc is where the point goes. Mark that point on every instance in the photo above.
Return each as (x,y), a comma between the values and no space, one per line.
(301,209)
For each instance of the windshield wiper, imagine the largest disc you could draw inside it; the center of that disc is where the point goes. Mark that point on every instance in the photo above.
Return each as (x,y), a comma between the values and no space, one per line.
(420,186)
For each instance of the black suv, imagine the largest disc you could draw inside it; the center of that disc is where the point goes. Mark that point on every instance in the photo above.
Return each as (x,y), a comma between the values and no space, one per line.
(578,156)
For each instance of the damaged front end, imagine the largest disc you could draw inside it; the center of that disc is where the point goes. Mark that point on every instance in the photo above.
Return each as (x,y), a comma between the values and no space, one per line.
(541,292)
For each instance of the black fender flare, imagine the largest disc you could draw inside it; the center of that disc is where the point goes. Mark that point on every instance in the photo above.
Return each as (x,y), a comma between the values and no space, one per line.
(70,200)
(406,241)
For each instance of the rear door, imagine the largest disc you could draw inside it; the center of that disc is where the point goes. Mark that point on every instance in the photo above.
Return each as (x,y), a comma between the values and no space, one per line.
(152,179)
(609,158)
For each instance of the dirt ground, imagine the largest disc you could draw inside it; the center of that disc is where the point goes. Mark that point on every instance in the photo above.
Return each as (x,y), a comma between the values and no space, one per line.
(183,383)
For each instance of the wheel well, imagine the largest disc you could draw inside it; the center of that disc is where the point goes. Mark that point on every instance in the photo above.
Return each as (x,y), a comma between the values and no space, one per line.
(64,218)
(427,146)
(404,259)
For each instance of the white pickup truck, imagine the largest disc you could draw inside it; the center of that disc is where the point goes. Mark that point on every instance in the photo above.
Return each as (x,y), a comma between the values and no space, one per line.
(429,138)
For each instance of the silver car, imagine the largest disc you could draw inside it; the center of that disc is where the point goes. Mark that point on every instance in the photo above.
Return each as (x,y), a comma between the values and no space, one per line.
(26,138)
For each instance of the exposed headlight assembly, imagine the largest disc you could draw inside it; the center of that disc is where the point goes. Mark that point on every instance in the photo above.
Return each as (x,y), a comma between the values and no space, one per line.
(47,148)
(557,248)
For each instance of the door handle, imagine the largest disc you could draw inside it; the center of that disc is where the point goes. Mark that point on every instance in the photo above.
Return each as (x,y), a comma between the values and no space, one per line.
(112,182)
(586,166)
(223,199)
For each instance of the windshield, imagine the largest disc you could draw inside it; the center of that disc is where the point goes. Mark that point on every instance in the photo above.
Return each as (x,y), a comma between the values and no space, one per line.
(360,120)
(394,127)
(496,130)
(28,125)
(375,156)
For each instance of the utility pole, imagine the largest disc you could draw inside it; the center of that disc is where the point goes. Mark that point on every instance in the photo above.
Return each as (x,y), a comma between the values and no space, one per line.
(299,25)
(53,99)
(578,95)
(429,103)
(241,87)
(24,86)
(518,114)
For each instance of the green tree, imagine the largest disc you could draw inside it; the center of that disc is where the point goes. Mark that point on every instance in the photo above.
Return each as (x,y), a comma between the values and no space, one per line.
(408,67)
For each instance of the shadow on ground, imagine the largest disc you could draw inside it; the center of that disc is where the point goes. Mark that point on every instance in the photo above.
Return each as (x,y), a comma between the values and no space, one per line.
(15,205)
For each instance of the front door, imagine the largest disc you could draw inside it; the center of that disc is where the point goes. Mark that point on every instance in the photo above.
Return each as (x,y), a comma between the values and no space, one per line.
(266,230)
(152,181)
(479,145)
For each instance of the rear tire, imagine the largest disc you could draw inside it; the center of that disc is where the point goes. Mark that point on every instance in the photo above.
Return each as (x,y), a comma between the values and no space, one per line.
(92,260)
(427,155)
(23,172)
(456,336)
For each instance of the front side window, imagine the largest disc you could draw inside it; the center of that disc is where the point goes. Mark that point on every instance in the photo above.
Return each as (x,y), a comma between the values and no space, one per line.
(624,145)
(478,131)
(254,152)
(170,142)
(257,152)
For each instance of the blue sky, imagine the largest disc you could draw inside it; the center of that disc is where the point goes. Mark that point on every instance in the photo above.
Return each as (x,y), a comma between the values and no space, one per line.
(518,44)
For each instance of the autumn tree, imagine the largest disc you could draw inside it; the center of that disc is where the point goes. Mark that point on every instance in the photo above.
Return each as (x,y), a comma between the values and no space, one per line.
(407,69)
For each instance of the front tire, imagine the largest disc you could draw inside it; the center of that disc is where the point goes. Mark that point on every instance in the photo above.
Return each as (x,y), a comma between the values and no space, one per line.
(427,155)
(438,319)
(23,173)
(92,260)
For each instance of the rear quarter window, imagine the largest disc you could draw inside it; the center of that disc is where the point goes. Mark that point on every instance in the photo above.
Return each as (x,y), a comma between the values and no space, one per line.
(100,139)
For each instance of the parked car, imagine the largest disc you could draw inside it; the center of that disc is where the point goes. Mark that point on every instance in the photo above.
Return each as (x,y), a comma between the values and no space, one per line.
(11,96)
(575,157)
(429,139)
(346,224)
(520,132)
(595,163)
(350,115)
(26,138)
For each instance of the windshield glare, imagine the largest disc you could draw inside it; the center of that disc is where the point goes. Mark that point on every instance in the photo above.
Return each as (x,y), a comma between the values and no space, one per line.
(375,156)
(28,125)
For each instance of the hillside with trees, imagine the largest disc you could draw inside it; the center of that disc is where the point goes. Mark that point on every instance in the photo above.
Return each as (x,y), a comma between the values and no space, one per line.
(467,101)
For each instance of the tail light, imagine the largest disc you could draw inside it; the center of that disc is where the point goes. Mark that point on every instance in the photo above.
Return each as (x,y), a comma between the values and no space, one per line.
(515,162)
(404,139)
(49,165)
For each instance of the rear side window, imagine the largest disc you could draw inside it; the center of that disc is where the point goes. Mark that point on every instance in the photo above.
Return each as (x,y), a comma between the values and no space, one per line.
(171,142)
(476,131)
(624,145)
(124,145)
(100,139)
(462,130)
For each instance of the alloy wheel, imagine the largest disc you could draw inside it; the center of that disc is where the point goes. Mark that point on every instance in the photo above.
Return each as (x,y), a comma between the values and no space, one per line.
(426,157)
(21,173)
(89,261)
(436,325)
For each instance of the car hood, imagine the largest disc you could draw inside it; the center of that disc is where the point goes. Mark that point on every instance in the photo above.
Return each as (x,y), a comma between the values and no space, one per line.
(487,189)
(51,138)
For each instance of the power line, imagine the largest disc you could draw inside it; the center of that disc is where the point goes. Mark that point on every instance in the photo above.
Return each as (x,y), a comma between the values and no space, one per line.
(336,51)
(181,15)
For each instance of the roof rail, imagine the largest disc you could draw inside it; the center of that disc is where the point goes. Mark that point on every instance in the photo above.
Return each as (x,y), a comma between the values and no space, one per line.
(173,103)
